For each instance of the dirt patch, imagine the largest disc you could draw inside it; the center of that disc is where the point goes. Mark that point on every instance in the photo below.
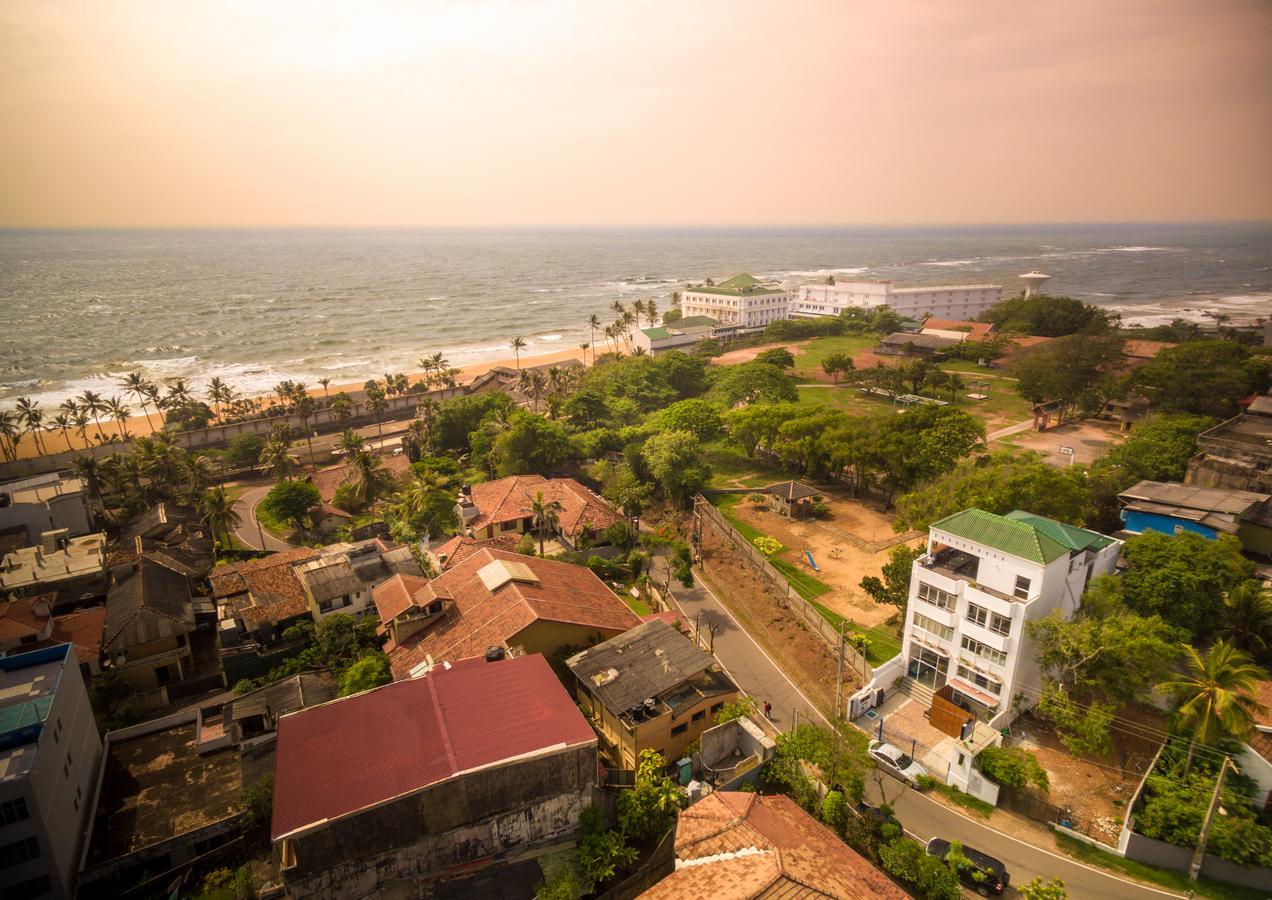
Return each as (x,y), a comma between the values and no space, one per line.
(1096,791)
(767,618)
(746,354)
(1089,440)
(842,565)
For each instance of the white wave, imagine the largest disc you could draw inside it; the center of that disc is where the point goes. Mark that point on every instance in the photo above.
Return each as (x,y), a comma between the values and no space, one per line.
(555,290)
(815,273)
(432,299)
(954,262)
(548,337)
(1244,309)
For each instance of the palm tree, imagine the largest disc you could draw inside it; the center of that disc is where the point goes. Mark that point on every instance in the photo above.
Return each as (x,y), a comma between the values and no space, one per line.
(369,477)
(378,405)
(135,385)
(350,443)
(628,319)
(151,391)
(214,391)
(275,458)
(1248,617)
(955,383)
(414,497)
(342,407)
(119,412)
(518,343)
(583,346)
(638,308)
(32,416)
(179,393)
(63,421)
(651,312)
(94,405)
(593,323)
(324,381)
(544,515)
(305,407)
(608,331)
(88,469)
(1213,697)
(219,514)
(199,475)
(10,431)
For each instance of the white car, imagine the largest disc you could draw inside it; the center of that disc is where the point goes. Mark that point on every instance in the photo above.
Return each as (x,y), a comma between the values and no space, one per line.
(896,762)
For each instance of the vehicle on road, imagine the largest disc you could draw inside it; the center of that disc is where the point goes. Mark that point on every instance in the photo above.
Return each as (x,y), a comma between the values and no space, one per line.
(896,762)
(978,871)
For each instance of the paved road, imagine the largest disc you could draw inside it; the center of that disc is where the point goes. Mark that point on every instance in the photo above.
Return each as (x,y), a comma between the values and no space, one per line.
(925,818)
(758,675)
(248,532)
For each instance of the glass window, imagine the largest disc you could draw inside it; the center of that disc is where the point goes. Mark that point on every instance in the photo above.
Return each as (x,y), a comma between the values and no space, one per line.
(973,677)
(12,811)
(18,852)
(936,596)
(680,729)
(1022,587)
(978,615)
(933,627)
(716,707)
(34,887)
(699,715)
(999,624)
(976,648)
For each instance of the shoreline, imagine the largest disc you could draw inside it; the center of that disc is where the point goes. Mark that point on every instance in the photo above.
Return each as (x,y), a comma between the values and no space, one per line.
(141,425)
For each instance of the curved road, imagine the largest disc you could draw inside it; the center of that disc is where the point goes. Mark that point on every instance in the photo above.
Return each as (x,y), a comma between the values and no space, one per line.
(249,532)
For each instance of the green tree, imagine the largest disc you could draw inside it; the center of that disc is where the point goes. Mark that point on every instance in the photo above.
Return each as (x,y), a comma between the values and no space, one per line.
(1044,890)
(291,501)
(752,382)
(759,425)
(741,708)
(1182,577)
(218,512)
(427,502)
(836,364)
(256,803)
(698,417)
(1248,617)
(367,672)
(1013,767)
(368,477)
(834,811)
(1201,377)
(244,451)
(1214,696)
(1074,370)
(930,878)
(544,516)
(531,445)
(517,344)
(998,483)
(777,356)
(648,809)
(586,409)
(1083,728)
(275,458)
(924,443)
(894,589)
(673,460)
(1047,316)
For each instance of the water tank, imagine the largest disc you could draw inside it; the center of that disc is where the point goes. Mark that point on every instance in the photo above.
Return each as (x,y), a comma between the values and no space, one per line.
(494,654)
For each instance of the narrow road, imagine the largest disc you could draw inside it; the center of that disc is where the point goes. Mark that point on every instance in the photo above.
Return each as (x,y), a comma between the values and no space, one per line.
(924,818)
(249,533)
(1009,430)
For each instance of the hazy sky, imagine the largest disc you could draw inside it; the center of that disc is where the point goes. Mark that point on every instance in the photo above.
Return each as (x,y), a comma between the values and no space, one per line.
(788,112)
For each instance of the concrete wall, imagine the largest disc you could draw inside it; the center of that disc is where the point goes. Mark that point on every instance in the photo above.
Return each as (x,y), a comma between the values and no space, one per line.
(1168,856)
(1258,769)
(417,838)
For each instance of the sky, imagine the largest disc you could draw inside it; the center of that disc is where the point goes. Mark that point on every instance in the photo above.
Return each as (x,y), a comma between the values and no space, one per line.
(242,113)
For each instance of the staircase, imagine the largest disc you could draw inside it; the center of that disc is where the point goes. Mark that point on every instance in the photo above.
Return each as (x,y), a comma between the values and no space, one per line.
(916,691)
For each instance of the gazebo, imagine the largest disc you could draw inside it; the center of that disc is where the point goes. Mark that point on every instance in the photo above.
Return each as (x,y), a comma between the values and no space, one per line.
(793,499)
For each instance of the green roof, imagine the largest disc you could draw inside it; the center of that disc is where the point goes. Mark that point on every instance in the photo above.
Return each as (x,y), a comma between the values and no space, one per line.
(739,285)
(1013,537)
(1070,535)
(689,325)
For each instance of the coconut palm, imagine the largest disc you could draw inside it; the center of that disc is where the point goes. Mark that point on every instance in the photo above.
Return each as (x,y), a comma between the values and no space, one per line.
(305,407)
(214,391)
(583,346)
(342,407)
(544,515)
(325,381)
(1248,617)
(93,404)
(369,477)
(219,514)
(179,393)
(30,414)
(593,323)
(276,460)
(89,470)
(518,344)
(638,308)
(415,495)
(80,419)
(1214,695)
(350,443)
(10,432)
(63,421)
(199,475)
(136,386)
(628,319)
(119,411)
(651,312)
(379,405)
(151,391)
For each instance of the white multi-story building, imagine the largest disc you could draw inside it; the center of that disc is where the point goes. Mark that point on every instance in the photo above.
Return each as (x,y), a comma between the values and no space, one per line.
(959,302)
(983,577)
(743,303)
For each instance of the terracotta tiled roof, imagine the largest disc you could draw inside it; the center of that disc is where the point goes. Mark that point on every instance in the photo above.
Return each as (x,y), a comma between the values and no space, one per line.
(1136,349)
(738,845)
(509,499)
(397,595)
(275,591)
(338,758)
(478,617)
(84,629)
(18,618)
(1263,696)
(459,548)
(975,331)
(327,480)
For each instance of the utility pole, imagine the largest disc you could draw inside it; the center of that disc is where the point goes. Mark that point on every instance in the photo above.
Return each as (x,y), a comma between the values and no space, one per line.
(839,673)
(1199,854)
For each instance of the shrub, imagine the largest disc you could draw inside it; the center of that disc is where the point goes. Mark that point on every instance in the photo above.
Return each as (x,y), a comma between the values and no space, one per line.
(819,509)
(931,879)
(739,708)
(244,450)
(526,545)
(346,498)
(256,803)
(1013,767)
(767,545)
(835,811)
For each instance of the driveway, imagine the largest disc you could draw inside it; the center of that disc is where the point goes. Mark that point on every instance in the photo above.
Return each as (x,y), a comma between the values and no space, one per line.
(249,532)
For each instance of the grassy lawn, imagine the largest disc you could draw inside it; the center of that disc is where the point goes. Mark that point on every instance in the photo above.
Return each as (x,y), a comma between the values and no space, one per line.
(635,604)
(1167,878)
(884,645)
(729,464)
(809,361)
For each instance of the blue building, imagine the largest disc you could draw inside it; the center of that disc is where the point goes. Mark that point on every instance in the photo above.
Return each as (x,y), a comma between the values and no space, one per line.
(1172,508)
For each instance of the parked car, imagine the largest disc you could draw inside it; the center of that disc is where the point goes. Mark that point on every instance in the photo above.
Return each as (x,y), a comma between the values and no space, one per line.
(896,762)
(982,873)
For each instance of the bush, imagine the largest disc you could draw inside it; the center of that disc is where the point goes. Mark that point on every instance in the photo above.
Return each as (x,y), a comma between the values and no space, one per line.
(931,879)
(637,562)
(1013,767)
(767,545)
(244,451)
(346,498)
(602,567)
(738,709)
(526,545)
(256,803)
(819,509)
(835,811)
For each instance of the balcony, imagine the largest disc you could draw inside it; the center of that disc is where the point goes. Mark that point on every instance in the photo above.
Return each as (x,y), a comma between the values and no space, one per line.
(959,566)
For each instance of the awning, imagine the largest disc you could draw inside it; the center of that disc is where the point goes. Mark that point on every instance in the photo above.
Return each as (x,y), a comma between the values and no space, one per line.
(974,692)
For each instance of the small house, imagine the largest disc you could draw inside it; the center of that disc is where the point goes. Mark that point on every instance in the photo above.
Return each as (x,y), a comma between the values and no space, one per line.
(793,499)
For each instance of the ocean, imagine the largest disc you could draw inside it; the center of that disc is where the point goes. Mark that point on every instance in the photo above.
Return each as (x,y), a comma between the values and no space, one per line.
(78,308)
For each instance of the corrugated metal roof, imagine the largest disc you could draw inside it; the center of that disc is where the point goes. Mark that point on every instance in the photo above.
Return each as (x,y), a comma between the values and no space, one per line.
(1069,535)
(1189,496)
(644,662)
(1011,537)
(344,756)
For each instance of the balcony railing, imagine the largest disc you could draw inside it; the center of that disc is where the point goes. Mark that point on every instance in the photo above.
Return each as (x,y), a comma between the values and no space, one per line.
(155,659)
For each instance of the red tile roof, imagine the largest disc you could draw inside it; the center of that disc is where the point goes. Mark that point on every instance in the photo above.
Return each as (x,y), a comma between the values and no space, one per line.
(975,331)
(340,757)
(275,591)
(397,595)
(509,499)
(459,548)
(327,480)
(84,628)
(478,618)
(738,845)
(18,618)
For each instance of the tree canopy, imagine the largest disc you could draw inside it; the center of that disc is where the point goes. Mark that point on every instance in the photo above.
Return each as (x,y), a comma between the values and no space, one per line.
(291,501)
(1047,316)
(1183,578)
(1202,377)
(752,382)
(530,445)
(1077,370)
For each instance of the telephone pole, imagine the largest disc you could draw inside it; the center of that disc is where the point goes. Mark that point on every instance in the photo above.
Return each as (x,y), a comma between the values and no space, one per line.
(1200,853)
(839,673)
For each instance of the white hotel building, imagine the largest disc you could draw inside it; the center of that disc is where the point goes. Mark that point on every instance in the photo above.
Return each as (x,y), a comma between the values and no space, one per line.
(959,302)
(984,577)
(741,304)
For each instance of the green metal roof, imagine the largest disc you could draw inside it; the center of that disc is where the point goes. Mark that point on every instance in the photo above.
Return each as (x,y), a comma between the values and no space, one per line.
(1070,535)
(689,325)
(1015,538)
(739,285)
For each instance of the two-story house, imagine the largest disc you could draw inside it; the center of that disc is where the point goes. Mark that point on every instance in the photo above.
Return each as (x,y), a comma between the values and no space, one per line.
(149,621)
(506,506)
(983,577)
(650,688)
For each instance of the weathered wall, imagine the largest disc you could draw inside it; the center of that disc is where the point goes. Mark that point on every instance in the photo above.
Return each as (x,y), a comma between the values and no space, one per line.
(490,813)
(1168,856)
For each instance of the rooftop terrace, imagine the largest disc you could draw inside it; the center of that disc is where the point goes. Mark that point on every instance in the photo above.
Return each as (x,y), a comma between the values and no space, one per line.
(28,685)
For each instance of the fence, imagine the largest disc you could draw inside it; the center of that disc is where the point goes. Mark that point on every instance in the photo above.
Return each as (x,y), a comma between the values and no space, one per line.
(705,513)
(661,863)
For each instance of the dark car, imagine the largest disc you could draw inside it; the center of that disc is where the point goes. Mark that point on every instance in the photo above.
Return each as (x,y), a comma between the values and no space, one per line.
(985,875)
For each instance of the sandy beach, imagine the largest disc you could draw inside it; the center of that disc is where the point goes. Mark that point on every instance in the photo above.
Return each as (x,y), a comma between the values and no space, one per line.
(54,442)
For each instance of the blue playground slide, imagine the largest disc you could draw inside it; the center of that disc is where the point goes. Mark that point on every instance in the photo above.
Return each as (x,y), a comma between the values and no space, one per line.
(811,561)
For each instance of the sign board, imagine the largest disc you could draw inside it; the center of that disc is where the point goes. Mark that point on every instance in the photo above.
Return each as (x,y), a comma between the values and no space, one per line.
(1066,451)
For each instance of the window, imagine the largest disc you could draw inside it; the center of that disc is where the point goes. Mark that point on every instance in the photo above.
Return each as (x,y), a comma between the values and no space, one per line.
(1000,624)
(1022,587)
(933,627)
(716,707)
(33,887)
(976,648)
(324,605)
(699,715)
(680,729)
(18,852)
(979,615)
(981,681)
(936,596)
(12,811)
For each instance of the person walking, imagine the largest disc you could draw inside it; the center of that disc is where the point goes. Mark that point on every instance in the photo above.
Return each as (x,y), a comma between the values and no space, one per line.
(768,710)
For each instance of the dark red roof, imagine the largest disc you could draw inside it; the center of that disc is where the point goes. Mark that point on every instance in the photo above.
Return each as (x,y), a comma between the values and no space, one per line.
(341,757)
